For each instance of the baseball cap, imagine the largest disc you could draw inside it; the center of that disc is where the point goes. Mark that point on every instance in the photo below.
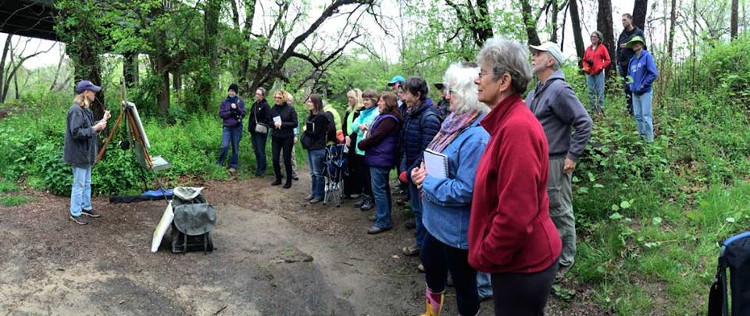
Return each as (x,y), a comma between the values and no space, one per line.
(551,48)
(84,85)
(395,80)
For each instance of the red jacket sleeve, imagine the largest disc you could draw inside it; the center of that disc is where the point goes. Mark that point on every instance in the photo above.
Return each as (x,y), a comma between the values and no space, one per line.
(605,55)
(517,185)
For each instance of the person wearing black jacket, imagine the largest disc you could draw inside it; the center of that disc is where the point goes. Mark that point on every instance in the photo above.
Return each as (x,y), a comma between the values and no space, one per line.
(282,137)
(317,127)
(260,114)
(624,54)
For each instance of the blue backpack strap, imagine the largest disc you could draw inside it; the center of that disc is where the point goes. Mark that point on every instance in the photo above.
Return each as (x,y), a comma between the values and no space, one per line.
(734,238)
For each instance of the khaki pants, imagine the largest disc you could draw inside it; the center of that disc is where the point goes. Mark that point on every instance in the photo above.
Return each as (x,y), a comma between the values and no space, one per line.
(560,191)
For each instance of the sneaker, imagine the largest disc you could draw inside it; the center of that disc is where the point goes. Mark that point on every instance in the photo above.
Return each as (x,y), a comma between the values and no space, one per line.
(360,203)
(276,182)
(354,196)
(295,177)
(377,230)
(313,201)
(410,250)
(91,213)
(309,197)
(232,170)
(368,205)
(78,220)
(420,268)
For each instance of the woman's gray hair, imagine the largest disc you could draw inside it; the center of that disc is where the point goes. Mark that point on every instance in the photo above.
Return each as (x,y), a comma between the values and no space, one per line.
(459,80)
(504,56)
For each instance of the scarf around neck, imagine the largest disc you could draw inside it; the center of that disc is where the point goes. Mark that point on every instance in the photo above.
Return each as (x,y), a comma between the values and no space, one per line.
(453,126)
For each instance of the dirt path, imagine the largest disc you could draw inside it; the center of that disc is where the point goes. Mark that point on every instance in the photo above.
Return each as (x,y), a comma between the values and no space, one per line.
(275,256)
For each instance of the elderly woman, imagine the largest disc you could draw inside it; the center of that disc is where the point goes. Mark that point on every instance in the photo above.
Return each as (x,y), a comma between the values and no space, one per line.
(284,118)
(595,60)
(511,234)
(446,201)
(79,149)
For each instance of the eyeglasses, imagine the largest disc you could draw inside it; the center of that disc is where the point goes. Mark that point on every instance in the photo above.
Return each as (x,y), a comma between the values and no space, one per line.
(481,74)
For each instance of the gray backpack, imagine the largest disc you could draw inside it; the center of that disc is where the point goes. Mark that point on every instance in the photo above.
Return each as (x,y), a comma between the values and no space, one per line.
(194,220)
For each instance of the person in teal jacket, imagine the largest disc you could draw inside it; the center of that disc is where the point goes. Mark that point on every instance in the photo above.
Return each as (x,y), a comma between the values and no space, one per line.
(641,74)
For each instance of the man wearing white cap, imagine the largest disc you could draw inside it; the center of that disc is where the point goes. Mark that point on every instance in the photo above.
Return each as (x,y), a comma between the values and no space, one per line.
(558,109)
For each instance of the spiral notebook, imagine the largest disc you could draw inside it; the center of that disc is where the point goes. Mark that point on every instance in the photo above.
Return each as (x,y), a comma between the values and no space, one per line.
(436,164)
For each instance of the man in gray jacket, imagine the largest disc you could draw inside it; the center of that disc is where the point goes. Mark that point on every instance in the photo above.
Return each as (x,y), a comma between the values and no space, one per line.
(558,109)
(80,149)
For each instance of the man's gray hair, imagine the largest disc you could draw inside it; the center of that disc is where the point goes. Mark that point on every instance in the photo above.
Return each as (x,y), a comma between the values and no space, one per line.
(459,80)
(556,65)
(505,56)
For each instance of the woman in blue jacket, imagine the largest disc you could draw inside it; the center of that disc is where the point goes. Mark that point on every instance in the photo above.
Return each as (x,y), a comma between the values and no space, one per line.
(446,201)
(642,72)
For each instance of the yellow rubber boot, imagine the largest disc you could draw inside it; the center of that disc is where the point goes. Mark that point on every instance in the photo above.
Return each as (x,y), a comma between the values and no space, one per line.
(434,302)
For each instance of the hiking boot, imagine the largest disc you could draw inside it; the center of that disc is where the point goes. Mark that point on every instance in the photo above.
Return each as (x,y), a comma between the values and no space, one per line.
(368,205)
(276,182)
(78,220)
(91,213)
(287,185)
(410,250)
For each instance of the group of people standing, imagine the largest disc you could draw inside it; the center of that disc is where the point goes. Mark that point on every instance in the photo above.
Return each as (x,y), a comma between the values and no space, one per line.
(637,71)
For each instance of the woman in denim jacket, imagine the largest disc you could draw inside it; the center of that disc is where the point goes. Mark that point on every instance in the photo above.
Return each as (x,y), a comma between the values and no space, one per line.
(447,201)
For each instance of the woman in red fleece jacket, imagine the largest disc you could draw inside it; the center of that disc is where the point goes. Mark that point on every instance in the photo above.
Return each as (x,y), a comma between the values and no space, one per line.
(510,232)
(595,60)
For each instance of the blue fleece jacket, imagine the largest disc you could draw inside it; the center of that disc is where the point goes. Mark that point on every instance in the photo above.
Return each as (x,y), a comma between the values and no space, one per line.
(643,71)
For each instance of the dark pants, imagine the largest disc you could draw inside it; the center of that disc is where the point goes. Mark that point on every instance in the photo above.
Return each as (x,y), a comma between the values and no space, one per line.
(522,293)
(623,69)
(416,208)
(259,148)
(230,136)
(353,182)
(364,174)
(277,146)
(438,259)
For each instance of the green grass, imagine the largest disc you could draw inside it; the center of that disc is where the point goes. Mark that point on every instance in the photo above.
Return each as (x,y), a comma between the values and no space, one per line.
(14,200)
(7,186)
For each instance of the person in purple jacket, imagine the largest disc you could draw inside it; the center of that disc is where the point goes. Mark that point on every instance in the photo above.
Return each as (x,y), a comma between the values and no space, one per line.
(641,75)
(232,110)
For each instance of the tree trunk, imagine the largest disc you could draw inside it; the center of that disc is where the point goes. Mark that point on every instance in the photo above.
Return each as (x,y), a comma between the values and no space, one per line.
(735,15)
(87,67)
(204,85)
(130,69)
(553,20)
(604,25)
(640,10)
(176,80)
(575,20)
(244,74)
(6,49)
(672,23)
(163,102)
(530,22)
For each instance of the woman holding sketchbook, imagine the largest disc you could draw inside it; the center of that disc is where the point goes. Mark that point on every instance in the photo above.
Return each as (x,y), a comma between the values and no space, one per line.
(446,179)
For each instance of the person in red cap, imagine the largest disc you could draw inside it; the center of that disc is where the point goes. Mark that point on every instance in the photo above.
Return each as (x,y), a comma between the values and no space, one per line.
(80,148)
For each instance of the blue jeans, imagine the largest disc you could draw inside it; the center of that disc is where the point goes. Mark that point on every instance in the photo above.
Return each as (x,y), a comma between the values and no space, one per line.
(230,135)
(416,208)
(596,91)
(259,148)
(438,259)
(80,194)
(484,285)
(642,113)
(316,160)
(381,190)
(628,94)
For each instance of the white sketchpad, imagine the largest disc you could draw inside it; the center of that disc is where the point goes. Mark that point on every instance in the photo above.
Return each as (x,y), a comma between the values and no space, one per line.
(161,228)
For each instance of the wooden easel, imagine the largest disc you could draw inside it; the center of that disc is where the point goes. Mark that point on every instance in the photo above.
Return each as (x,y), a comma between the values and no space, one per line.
(134,132)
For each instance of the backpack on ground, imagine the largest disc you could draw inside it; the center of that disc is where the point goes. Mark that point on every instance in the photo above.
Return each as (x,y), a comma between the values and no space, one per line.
(194,219)
(735,256)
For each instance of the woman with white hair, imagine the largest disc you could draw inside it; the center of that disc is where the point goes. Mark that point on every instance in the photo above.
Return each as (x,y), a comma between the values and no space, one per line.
(511,234)
(447,199)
